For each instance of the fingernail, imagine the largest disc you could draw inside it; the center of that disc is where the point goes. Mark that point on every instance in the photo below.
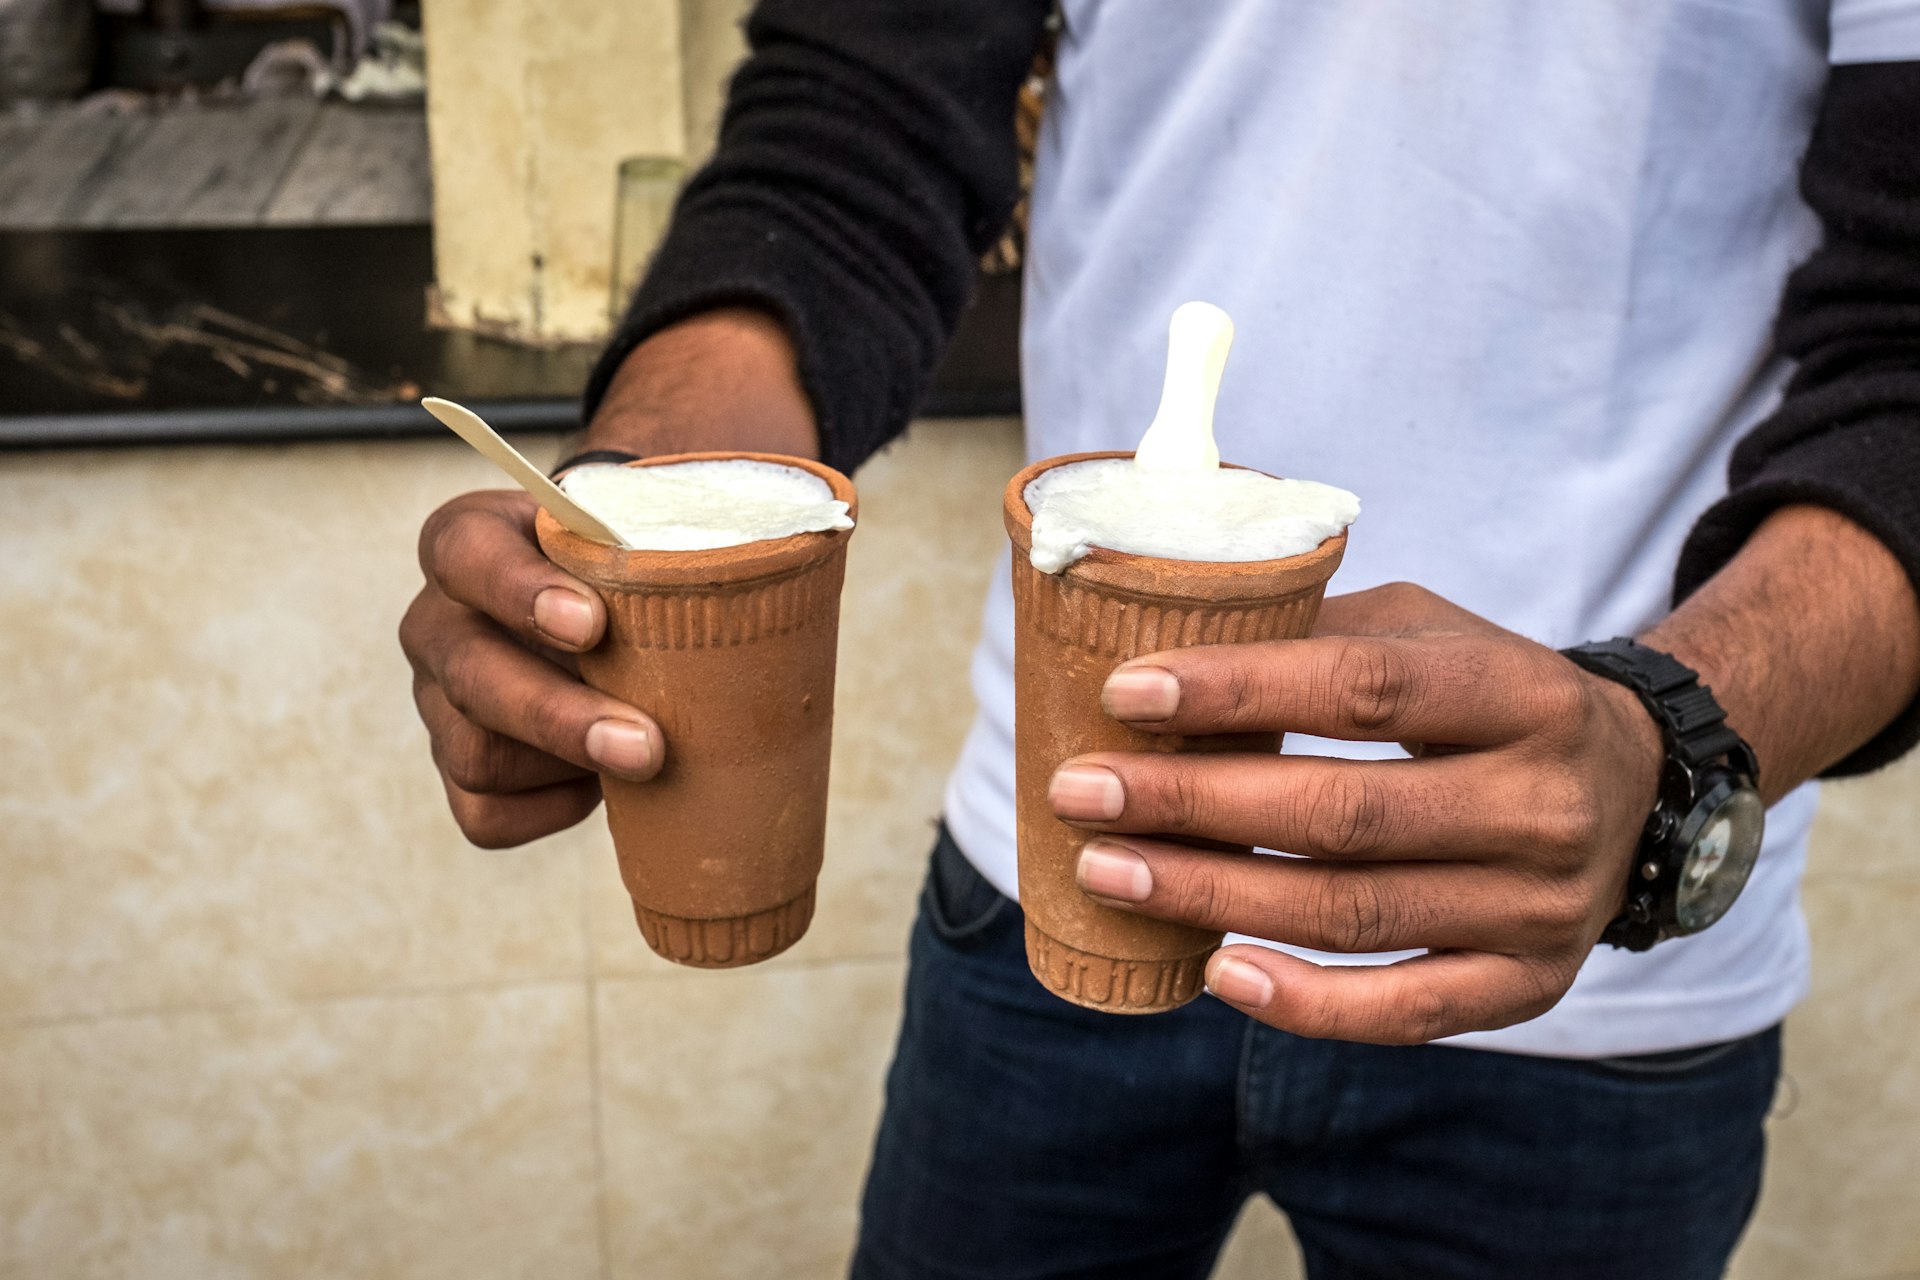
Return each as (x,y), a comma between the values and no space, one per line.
(620,746)
(1239,981)
(1114,871)
(1141,693)
(564,615)
(1086,793)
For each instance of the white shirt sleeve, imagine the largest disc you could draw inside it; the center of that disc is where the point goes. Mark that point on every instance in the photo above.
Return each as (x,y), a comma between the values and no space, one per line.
(1874,31)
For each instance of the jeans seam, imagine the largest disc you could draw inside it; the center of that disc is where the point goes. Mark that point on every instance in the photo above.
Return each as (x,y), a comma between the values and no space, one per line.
(1242,1089)
(958,933)
(937,918)
(1675,1066)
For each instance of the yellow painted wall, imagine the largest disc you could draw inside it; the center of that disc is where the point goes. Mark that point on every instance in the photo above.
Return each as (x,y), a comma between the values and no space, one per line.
(531,107)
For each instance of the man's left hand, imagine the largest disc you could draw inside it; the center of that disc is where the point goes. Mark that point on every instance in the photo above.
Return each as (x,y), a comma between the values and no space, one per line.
(1502,847)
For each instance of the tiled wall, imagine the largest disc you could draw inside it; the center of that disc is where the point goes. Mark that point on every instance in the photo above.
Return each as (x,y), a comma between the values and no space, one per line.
(263,1013)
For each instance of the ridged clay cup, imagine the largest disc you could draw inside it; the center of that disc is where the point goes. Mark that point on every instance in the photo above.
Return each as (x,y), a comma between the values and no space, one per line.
(1071,630)
(732,652)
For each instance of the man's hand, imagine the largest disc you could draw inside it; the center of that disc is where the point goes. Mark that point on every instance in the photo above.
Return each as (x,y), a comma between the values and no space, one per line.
(1503,846)
(517,738)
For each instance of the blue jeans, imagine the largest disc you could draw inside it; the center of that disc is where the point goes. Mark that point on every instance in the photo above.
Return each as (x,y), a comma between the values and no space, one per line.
(1025,1137)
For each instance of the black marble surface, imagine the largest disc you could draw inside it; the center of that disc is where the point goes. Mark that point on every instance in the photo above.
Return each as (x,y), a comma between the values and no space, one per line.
(274,333)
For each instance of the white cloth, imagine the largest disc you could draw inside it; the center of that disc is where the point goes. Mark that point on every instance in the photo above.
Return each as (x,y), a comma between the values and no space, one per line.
(1504,269)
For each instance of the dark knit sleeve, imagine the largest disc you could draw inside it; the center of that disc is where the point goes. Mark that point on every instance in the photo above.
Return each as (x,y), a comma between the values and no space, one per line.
(866,160)
(1847,432)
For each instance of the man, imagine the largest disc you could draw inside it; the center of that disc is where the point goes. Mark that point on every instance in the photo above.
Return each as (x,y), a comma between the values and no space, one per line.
(1508,271)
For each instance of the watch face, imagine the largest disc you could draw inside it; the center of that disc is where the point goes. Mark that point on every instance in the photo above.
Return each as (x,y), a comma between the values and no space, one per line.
(1721,840)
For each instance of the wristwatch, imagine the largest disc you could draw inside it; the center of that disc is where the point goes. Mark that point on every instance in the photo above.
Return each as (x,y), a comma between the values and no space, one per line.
(1701,840)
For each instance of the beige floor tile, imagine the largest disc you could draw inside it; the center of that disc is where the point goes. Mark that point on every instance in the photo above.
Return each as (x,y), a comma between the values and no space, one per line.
(737,1112)
(1870,824)
(217,788)
(1261,1247)
(413,1138)
(918,568)
(1845,1160)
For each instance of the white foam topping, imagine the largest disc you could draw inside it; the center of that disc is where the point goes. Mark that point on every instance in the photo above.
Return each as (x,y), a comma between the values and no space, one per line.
(697,506)
(1173,499)
(1225,515)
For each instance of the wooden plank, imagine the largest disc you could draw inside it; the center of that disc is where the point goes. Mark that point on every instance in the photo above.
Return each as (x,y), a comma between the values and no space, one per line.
(51,158)
(360,164)
(15,132)
(197,166)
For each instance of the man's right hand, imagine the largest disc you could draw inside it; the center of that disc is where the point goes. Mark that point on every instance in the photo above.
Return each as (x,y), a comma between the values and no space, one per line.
(518,739)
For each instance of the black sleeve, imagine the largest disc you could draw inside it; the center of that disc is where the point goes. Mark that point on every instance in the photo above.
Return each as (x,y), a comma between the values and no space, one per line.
(866,160)
(1847,433)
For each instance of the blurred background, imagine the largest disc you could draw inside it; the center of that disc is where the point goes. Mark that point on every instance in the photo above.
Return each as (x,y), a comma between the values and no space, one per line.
(263,1012)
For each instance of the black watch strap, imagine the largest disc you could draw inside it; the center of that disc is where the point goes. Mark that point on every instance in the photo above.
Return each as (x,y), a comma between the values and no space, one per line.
(615,456)
(1694,732)
(1691,720)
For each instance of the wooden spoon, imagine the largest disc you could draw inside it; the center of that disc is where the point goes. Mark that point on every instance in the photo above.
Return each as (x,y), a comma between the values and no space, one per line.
(1181,437)
(472,428)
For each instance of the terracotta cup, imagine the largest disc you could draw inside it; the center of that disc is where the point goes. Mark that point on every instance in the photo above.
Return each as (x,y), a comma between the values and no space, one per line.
(732,652)
(1071,630)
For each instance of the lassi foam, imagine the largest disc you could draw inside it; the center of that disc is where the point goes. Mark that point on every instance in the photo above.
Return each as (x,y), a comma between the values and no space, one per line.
(697,506)
(1224,515)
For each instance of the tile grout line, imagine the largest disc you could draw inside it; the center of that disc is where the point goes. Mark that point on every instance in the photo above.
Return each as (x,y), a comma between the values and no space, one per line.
(37,1022)
(218,1008)
(598,1108)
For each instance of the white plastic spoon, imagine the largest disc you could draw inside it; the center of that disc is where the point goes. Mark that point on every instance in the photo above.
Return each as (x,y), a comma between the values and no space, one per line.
(472,428)
(1181,437)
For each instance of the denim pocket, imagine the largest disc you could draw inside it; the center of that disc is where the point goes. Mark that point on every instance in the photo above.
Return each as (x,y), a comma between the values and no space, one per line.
(957,901)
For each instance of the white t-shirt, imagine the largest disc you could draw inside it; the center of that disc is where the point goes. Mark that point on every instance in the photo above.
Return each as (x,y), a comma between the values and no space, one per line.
(1506,269)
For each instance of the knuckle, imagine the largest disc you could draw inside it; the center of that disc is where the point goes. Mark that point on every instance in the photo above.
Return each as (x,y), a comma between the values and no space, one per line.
(1206,899)
(1345,814)
(408,632)
(1323,1015)
(453,544)
(463,677)
(1565,911)
(1184,799)
(472,759)
(491,834)
(479,820)
(1236,690)
(1565,697)
(1243,694)
(555,714)
(1372,683)
(1406,595)
(1551,908)
(434,534)
(1567,817)
(1546,981)
(1354,910)
(1425,1013)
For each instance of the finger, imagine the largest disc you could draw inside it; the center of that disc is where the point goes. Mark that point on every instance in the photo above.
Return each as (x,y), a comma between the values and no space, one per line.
(1460,806)
(499,822)
(497,684)
(1409,1002)
(1399,609)
(479,760)
(480,551)
(1375,907)
(1462,690)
